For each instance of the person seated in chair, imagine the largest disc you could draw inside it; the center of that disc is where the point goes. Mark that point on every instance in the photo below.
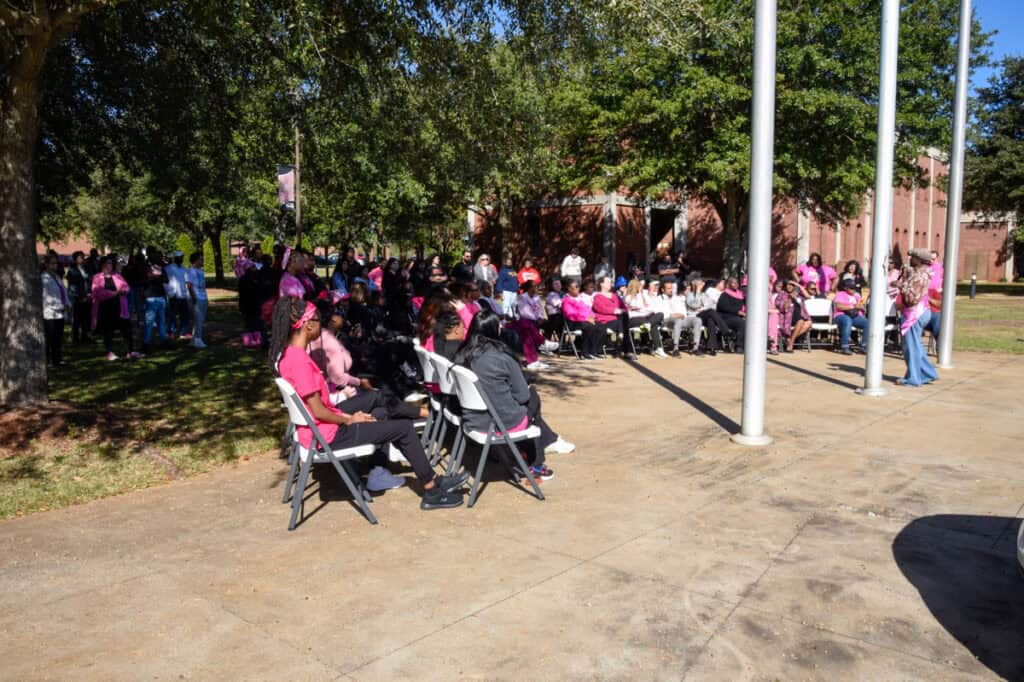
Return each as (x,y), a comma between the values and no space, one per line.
(296,324)
(610,313)
(732,309)
(644,309)
(502,381)
(849,314)
(580,316)
(678,317)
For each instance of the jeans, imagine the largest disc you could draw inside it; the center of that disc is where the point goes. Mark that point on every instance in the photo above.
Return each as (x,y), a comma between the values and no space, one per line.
(53,331)
(934,324)
(508,304)
(177,315)
(156,313)
(678,324)
(846,325)
(199,317)
(919,368)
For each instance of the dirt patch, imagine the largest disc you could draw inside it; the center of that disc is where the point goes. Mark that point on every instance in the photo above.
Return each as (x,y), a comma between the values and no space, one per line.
(19,428)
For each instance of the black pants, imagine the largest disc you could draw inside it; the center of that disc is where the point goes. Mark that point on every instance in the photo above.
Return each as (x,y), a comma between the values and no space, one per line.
(655,320)
(398,431)
(81,322)
(53,331)
(534,449)
(737,324)
(376,403)
(122,325)
(553,325)
(592,339)
(714,323)
(620,325)
(178,316)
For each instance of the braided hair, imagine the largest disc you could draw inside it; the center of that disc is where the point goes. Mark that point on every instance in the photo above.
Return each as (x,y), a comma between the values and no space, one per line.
(287,311)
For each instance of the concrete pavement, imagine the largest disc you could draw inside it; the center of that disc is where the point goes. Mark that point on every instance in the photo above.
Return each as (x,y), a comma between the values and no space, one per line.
(872,540)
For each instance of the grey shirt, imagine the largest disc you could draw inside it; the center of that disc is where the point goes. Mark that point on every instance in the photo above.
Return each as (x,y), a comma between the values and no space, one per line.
(503,383)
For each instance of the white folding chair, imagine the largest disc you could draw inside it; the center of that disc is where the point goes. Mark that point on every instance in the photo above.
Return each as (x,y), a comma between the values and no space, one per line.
(320,453)
(429,435)
(467,384)
(820,312)
(449,414)
(570,336)
(892,324)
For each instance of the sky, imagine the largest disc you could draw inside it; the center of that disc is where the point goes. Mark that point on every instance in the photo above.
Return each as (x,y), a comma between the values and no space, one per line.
(1006,17)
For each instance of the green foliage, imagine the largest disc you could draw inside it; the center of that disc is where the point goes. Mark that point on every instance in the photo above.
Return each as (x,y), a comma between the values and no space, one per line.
(994,178)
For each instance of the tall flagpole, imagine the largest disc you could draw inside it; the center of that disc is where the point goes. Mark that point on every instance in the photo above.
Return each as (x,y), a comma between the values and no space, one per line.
(298,191)
(882,227)
(951,258)
(762,138)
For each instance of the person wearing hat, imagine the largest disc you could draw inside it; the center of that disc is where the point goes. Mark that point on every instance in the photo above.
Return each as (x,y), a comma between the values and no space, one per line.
(913,288)
(849,314)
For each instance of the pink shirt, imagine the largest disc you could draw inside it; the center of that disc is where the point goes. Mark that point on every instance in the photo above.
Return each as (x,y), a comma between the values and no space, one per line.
(376,276)
(290,286)
(299,370)
(937,274)
(846,298)
(607,308)
(576,309)
(808,274)
(466,313)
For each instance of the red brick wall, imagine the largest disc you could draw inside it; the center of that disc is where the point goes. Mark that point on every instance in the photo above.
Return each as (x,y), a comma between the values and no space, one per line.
(984,248)
(629,236)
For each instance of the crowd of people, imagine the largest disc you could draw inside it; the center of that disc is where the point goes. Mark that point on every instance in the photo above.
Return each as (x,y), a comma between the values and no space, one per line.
(105,296)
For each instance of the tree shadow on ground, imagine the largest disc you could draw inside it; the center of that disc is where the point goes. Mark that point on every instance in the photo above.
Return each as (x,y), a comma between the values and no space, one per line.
(858,370)
(723,421)
(966,571)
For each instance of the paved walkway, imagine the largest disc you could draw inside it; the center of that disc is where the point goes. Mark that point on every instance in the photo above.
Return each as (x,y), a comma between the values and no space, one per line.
(873,540)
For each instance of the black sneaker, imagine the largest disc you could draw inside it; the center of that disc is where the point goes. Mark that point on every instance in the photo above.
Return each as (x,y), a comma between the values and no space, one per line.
(452,482)
(437,498)
(674,352)
(846,351)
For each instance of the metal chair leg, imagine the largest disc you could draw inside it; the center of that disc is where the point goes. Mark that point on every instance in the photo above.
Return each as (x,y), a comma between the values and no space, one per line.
(526,468)
(356,490)
(474,489)
(300,492)
(293,460)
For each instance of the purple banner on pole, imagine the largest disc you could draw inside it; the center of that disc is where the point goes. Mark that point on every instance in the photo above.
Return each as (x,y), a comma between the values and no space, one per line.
(286,186)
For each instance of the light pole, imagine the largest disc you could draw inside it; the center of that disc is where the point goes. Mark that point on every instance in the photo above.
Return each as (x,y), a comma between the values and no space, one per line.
(951,258)
(882,227)
(759,235)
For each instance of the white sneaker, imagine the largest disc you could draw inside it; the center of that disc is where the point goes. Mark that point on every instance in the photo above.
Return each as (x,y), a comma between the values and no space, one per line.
(660,353)
(112,356)
(198,343)
(537,365)
(549,346)
(560,446)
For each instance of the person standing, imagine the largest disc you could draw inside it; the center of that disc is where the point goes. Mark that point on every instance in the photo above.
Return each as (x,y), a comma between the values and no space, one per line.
(528,273)
(80,297)
(913,287)
(484,270)
(463,270)
(603,269)
(508,287)
(110,308)
(195,281)
(156,301)
(573,265)
(177,297)
(55,307)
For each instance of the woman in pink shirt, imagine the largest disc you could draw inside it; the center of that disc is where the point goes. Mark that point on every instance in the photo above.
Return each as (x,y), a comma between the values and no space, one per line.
(815,271)
(611,312)
(294,265)
(296,325)
(580,317)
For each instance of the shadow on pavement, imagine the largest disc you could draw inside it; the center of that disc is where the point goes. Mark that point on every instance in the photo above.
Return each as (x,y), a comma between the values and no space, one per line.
(965,569)
(816,375)
(727,424)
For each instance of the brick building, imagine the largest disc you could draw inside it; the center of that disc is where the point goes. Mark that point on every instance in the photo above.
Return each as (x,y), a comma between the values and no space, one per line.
(629,229)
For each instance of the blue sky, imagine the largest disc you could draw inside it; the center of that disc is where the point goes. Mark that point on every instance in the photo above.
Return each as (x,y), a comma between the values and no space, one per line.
(1006,17)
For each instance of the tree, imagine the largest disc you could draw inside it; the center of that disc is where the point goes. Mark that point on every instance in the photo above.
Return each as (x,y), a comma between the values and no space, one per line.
(27,32)
(670,108)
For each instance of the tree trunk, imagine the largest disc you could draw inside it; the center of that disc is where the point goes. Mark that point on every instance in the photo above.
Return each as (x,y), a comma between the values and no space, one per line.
(730,211)
(22,361)
(218,256)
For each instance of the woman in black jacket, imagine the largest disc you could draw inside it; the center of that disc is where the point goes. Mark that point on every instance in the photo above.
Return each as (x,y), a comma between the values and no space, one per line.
(732,309)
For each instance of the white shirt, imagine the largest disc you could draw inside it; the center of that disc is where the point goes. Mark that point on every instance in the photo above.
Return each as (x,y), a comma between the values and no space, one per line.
(197,278)
(54,297)
(175,286)
(573,266)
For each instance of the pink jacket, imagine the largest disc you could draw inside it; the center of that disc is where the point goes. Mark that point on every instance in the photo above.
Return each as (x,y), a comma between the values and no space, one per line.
(100,293)
(605,308)
(576,309)
(334,360)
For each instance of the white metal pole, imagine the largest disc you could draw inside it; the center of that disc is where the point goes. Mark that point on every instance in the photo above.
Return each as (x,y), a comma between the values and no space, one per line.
(951,258)
(882,228)
(759,235)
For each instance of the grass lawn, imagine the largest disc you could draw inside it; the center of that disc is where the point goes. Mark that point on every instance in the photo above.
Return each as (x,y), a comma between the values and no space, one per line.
(113,427)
